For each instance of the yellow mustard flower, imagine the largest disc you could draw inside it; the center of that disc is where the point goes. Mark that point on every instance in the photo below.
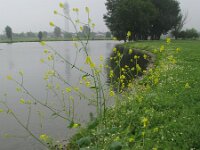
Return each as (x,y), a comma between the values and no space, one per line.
(44,137)
(61,5)
(168,40)
(55,12)
(68,90)
(51,24)
(9,77)
(129,34)
(144,121)
(43,43)
(87,9)
(112,93)
(187,86)
(130,51)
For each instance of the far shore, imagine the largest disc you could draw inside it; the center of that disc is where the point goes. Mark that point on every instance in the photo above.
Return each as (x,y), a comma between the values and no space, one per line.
(50,39)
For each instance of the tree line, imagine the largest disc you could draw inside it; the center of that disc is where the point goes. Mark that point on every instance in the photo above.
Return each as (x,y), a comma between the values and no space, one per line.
(144,18)
(57,33)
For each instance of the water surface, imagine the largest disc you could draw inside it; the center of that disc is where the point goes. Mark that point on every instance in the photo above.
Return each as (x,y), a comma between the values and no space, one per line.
(26,57)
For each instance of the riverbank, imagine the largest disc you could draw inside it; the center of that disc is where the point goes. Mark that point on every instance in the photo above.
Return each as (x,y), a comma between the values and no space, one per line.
(47,39)
(161,111)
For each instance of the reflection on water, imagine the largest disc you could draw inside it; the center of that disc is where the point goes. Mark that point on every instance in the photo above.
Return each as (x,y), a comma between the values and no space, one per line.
(26,57)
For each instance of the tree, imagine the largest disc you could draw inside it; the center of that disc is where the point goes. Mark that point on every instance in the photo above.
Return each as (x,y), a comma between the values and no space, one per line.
(108,34)
(86,30)
(189,34)
(67,35)
(31,34)
(44,34)
(181,22)
(40,35)
(142,17)
(9,33)
(57,32)
(168,17)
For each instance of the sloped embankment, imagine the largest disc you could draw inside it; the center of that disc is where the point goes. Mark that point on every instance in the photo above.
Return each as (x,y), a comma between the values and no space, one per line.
(161,111)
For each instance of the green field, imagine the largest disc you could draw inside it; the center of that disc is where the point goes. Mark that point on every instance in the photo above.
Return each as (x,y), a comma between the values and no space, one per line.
(161,111)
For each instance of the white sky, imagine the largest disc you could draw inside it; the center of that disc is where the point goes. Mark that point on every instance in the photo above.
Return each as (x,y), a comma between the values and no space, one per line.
(35,15)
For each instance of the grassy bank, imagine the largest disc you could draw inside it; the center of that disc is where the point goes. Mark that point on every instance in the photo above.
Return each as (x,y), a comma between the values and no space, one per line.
(161,111)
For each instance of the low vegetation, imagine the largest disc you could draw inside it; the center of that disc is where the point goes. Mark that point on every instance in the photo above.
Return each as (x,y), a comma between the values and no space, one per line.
(161,111)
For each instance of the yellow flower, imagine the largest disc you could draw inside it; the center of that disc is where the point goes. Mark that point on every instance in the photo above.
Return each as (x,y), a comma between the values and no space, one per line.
(144,121)
(22,101)
(155,129)
(93,25)
(136,57)
(145,56)
(122,77)
(75,9)
(68,90)
(155,51)
(162,48)
(87,9)
(89,20)
(129,34)
(168,40)
(130,51)
(9,77)
(61,5)
(101,58)
(75,125)
(43,43)
(114,49)
(89,62)
(114,38)
(55,12)
(49,86)
(138,68)
(76,89)
(187,86)
(112,93)
(18,89)
(131,139)
(42,60)
(51,24)
(81,28)
(111,73)
(50,57)
(44,137)
(46,51)
(87,84)
(178,50)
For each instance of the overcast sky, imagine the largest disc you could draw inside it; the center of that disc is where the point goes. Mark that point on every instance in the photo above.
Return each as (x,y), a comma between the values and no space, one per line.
(35,15)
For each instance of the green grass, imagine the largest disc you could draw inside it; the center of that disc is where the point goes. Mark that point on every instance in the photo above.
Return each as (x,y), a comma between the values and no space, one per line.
(169,99)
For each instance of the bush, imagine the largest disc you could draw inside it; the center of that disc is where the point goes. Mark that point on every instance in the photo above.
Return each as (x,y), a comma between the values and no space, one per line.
(189,34)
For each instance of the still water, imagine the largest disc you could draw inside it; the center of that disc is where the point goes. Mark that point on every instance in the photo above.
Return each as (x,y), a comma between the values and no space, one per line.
(26,57)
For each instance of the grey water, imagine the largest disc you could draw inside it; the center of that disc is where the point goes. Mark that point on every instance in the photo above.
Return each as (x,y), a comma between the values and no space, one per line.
(26,56)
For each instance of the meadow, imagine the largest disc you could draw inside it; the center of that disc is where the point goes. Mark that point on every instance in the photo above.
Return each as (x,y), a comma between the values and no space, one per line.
(159,111)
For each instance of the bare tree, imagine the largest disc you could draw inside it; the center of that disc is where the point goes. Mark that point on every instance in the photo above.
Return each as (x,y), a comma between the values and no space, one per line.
(182,20)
